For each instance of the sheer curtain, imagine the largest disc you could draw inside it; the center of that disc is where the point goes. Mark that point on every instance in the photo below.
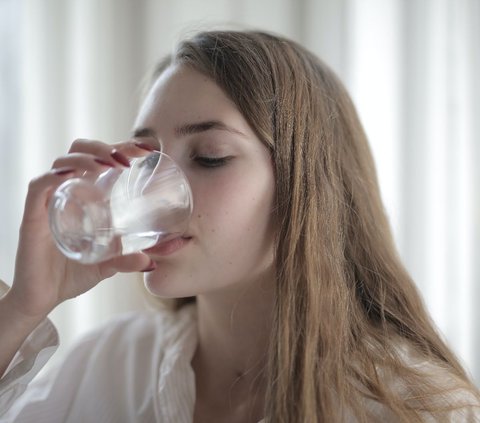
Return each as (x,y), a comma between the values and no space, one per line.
(72,68)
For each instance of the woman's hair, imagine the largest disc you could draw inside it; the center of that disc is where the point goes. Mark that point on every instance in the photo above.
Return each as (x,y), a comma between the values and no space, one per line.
(348,320)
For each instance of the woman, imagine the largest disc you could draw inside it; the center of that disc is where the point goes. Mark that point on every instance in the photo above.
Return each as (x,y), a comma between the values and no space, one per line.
(302,310)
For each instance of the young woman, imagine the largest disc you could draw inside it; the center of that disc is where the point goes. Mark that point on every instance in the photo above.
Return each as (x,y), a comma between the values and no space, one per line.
(290,303)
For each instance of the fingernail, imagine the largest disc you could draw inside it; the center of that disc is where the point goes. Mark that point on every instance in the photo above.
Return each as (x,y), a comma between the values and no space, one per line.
(120,158)
(151,267)
(104,162)
(144,146)
(63,171)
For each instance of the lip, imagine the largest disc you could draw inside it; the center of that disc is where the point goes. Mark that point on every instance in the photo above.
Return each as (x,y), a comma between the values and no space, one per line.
(168,247)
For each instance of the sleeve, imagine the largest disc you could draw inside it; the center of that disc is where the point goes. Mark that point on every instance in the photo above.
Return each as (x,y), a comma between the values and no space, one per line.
(52,396)
(87,385)
(35,351)
(27,362)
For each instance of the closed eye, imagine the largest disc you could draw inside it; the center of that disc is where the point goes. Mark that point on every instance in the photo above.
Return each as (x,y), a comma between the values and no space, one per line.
(208,161)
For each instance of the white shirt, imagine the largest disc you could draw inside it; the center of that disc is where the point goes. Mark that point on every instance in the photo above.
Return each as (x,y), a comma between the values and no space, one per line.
(136,368)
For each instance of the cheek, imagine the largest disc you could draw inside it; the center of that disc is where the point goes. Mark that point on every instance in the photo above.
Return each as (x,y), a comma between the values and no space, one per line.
(235,212)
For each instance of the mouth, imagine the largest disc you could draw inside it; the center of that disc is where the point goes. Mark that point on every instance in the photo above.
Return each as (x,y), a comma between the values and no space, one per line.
(166,248)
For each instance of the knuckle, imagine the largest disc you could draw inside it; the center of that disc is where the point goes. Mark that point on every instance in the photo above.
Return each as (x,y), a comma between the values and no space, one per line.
(77,144)
(83,145)
(56,162)
(79,141)
(34,183)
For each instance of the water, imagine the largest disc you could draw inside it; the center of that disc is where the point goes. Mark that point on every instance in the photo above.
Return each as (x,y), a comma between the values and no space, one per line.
(139,241)
(104,243)
(91,232)
(120,212)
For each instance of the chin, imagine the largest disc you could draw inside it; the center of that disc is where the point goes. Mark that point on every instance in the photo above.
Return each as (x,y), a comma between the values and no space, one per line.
(163,286)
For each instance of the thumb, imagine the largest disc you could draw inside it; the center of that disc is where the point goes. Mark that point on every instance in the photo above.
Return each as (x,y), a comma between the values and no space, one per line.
(136,262)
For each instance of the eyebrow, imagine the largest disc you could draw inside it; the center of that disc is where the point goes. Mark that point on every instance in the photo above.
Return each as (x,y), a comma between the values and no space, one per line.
(192,128)
(197,127)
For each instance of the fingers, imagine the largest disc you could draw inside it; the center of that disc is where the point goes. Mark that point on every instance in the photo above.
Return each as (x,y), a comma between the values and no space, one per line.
(40,188)
(139,146)
(85,162)
(101,149)
(89,154)
(134,147)
(63,168)
(136,262)
(84,156)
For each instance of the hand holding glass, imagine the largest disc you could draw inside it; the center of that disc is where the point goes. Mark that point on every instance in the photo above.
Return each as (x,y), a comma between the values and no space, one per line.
(121,211)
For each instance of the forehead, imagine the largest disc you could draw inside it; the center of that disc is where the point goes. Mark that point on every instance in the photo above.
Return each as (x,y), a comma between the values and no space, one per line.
(181,93)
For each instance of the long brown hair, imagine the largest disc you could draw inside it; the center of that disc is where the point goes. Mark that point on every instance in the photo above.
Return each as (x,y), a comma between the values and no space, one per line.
(348,318)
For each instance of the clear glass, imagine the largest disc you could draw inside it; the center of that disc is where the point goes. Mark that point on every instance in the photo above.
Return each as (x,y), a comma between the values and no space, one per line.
(121,211)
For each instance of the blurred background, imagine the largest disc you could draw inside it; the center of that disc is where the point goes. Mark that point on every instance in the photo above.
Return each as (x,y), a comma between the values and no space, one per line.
(73,69)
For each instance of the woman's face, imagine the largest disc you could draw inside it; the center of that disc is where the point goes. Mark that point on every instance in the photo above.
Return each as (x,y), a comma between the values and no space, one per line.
(229,240)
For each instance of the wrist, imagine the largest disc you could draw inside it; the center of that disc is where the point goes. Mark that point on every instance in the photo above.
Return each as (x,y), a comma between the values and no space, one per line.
(10,312)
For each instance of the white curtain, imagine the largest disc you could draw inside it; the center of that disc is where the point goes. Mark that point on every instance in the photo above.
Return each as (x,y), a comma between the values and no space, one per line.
(73,68)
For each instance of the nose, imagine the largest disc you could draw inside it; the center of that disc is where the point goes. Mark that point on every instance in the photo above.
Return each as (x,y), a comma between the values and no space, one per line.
(172,151)
(165,184)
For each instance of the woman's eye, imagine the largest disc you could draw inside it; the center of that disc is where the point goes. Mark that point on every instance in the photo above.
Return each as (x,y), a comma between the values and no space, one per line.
(207,161)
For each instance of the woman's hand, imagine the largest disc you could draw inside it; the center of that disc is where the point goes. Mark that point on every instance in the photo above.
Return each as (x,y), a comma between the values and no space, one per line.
(44,277)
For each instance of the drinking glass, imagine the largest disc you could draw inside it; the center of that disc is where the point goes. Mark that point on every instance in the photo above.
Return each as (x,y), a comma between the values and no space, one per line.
(120,211)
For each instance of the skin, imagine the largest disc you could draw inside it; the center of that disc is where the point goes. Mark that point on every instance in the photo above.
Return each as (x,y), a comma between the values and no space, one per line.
(226,259)
(44,278)
(231,231)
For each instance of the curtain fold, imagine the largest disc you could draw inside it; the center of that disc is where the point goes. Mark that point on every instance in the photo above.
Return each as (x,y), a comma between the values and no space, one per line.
(73,69)
(440,197)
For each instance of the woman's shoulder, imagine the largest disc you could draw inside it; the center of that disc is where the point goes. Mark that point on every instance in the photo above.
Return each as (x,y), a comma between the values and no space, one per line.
(137,336)
(122,362)
(160,325)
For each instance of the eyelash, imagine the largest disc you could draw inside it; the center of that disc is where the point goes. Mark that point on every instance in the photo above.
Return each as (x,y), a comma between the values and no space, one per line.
(206,161)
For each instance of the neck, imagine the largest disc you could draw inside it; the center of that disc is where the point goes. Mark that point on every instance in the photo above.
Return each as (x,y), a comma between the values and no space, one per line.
(230,360)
